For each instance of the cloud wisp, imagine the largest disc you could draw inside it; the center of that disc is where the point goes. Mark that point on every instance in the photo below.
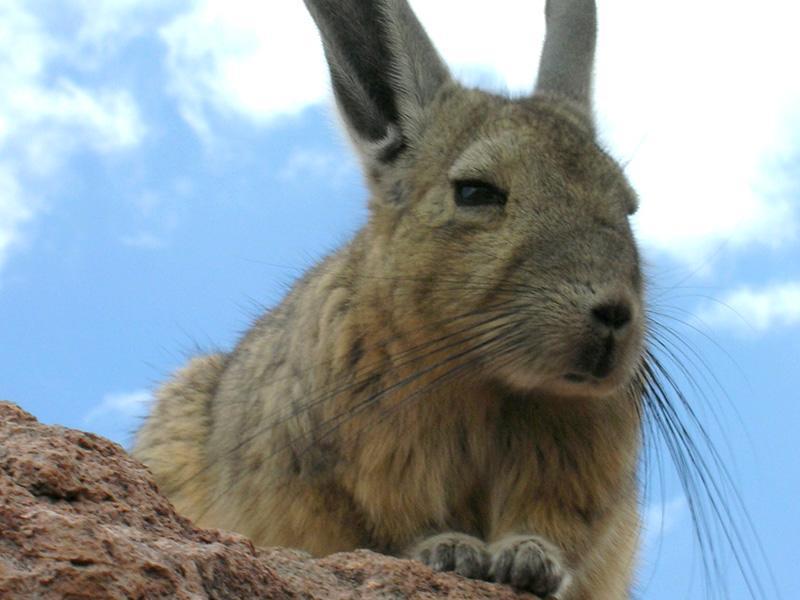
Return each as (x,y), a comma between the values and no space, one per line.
(303,163)
(661,519)
(13,213)
(127,405)
(45,117)
(118,415)
(749,311)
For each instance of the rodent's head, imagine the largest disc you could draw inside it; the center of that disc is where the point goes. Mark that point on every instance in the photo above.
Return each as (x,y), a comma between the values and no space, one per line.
(497,224)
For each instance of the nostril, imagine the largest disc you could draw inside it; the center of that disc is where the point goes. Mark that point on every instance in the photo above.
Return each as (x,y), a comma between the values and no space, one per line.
(614,315)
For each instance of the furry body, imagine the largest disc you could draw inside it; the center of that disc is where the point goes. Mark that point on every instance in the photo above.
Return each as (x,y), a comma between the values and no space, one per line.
(456,384)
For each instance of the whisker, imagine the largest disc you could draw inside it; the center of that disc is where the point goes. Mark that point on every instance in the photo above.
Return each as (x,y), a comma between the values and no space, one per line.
(701,487)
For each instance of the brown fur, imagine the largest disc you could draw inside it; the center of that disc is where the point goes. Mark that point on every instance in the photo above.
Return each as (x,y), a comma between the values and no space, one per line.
(413,383)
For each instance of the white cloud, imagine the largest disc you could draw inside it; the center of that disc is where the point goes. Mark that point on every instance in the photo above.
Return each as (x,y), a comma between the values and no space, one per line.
(32,106)
(749,310)
(50,122)
(699,96)
(125,406)
(253,59)
(43,118)
(111,22)
(495,46)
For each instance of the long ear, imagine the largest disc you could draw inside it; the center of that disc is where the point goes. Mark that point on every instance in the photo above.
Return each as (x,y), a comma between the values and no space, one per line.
(384,70)
(565,69)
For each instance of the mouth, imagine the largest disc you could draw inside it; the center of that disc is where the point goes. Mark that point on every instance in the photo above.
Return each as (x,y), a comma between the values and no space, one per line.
(588,379)
(588,383)
(571,383)
(599,369)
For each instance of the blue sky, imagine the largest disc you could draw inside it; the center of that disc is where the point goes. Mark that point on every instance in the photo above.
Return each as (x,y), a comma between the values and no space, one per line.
(168,168)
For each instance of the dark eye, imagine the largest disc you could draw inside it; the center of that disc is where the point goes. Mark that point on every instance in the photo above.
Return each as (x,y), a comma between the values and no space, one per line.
(479,193)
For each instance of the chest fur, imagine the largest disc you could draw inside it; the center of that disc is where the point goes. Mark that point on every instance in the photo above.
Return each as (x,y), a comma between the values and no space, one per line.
(483,463)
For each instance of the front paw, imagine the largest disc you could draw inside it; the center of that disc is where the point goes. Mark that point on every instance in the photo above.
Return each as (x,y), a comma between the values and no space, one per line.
(529,563)
(458,552)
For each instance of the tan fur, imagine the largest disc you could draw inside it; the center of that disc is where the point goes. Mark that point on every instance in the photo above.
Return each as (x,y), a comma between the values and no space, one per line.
(338,422)
(168,440)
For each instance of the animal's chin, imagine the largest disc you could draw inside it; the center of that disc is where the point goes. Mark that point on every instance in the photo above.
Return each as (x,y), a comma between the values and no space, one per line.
(570,384)
(579,384)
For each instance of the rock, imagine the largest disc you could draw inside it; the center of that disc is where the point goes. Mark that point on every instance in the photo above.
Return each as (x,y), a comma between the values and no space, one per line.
(80,519)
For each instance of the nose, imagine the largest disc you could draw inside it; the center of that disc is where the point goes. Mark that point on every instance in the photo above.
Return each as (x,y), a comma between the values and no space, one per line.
(612,315)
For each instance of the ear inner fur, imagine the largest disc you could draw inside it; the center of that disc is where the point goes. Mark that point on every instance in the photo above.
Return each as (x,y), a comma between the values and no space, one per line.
(384,70)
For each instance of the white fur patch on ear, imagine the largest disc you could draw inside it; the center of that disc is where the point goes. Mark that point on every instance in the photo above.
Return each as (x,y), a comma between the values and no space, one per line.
(384,150)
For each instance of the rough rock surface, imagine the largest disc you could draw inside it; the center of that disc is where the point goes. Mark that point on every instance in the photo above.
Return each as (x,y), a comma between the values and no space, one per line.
(79,518)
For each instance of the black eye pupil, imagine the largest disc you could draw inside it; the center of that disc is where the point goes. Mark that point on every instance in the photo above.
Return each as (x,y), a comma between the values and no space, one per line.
(478,193)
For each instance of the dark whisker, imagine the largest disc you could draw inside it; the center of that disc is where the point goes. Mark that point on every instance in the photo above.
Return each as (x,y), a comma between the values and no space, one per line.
(705,494)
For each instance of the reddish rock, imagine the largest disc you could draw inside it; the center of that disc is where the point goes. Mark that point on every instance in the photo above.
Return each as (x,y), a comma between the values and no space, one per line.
(80,519)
